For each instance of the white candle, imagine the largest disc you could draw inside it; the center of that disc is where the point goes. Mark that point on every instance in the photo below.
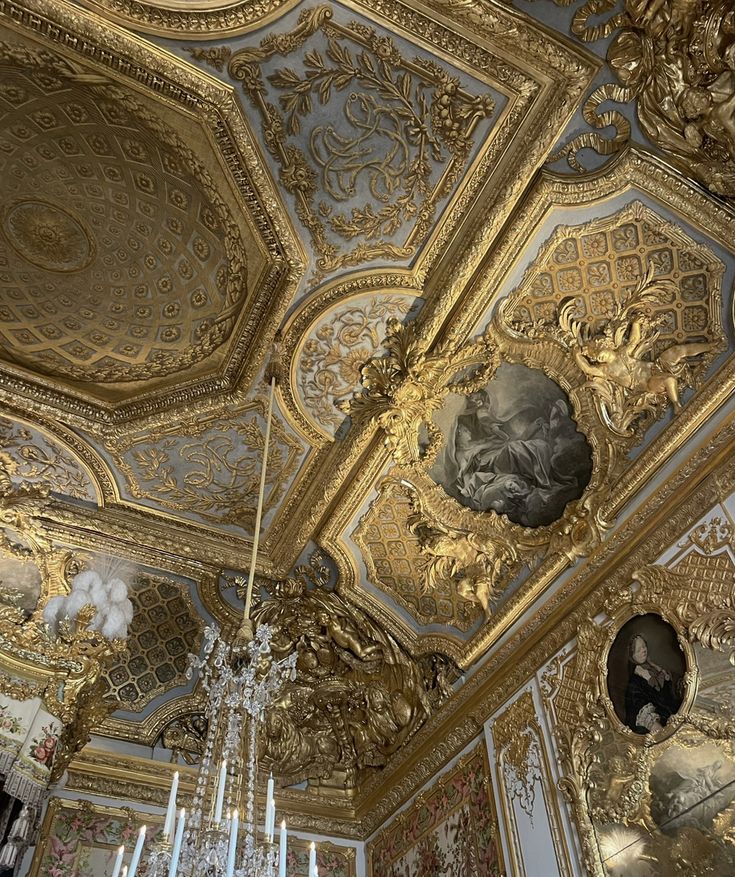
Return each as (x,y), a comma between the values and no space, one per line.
(283,841)
(312,860)
(168,825)
(272,822)
(118,861)
(176,851)
(270,811)
(137,851)
(220,792)
(234,825)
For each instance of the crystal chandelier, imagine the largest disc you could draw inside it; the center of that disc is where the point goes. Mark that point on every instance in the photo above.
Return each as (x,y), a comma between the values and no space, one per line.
(220,837)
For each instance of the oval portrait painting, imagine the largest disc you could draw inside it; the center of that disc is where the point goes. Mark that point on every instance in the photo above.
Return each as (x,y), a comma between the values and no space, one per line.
(645,673)
(512,447)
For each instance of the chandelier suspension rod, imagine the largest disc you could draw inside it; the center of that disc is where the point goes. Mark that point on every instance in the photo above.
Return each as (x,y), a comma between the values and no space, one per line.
(259,510)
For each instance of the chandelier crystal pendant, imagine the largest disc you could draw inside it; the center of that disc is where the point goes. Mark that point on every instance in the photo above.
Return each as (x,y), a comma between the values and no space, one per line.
(242,680)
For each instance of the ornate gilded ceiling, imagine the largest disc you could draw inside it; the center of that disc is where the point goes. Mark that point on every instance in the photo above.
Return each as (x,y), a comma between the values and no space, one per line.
(483,365)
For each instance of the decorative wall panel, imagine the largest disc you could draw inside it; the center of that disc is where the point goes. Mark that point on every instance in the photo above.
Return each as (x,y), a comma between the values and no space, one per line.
(449,830)
(80,839)
(528,797)
(651,778)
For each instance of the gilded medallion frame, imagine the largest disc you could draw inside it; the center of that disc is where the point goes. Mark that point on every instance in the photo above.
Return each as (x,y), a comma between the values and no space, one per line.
(689,680)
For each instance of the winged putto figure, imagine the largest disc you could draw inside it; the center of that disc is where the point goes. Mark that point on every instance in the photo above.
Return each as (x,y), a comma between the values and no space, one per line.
(628,378)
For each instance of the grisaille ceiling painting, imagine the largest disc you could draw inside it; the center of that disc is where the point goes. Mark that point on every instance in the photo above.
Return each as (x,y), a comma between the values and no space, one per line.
(494,311)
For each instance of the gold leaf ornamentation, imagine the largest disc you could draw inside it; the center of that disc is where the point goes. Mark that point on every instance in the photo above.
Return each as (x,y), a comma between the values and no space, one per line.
(678,65)
(336,348)
(400,121)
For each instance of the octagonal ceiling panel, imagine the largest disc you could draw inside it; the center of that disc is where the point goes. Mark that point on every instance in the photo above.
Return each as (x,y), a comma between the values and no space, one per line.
(129,260)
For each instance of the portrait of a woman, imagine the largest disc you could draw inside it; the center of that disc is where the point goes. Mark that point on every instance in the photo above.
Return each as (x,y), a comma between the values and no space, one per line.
(651,695)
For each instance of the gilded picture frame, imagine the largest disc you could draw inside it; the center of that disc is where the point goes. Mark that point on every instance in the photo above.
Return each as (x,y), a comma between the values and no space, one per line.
(635,622)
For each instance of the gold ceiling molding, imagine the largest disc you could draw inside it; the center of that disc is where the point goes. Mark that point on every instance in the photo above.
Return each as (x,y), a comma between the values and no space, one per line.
(496,176)
(590,335)
(209,466)
(45,458)
(129,778)
(421,119)
(395,562)
(187,99)
(148,729)
(192,19)
(96,286)
(633,172)
(707,477)
(126,777)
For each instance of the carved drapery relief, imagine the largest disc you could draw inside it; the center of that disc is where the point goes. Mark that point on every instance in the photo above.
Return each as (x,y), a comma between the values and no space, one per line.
(604,318)
(654,803)
(678,63)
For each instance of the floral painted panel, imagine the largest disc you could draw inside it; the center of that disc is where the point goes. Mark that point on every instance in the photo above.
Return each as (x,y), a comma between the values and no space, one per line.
(81,840)
(331,860)
(78,840)
(28,738)
(449,831)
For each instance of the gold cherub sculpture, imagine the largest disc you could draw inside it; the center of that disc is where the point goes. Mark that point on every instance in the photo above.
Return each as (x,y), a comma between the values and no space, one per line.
(627,377)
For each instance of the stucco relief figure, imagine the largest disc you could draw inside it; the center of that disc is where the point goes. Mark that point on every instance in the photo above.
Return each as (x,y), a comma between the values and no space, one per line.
(678,60)
(618,357)
(645,675)
(514,448)
(357,695)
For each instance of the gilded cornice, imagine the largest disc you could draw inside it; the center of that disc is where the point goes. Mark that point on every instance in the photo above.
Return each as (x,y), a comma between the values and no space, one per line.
(147,730)
(131,778)
(187,20)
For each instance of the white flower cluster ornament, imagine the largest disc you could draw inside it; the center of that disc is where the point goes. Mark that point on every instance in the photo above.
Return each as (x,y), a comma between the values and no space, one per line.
(101,587)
